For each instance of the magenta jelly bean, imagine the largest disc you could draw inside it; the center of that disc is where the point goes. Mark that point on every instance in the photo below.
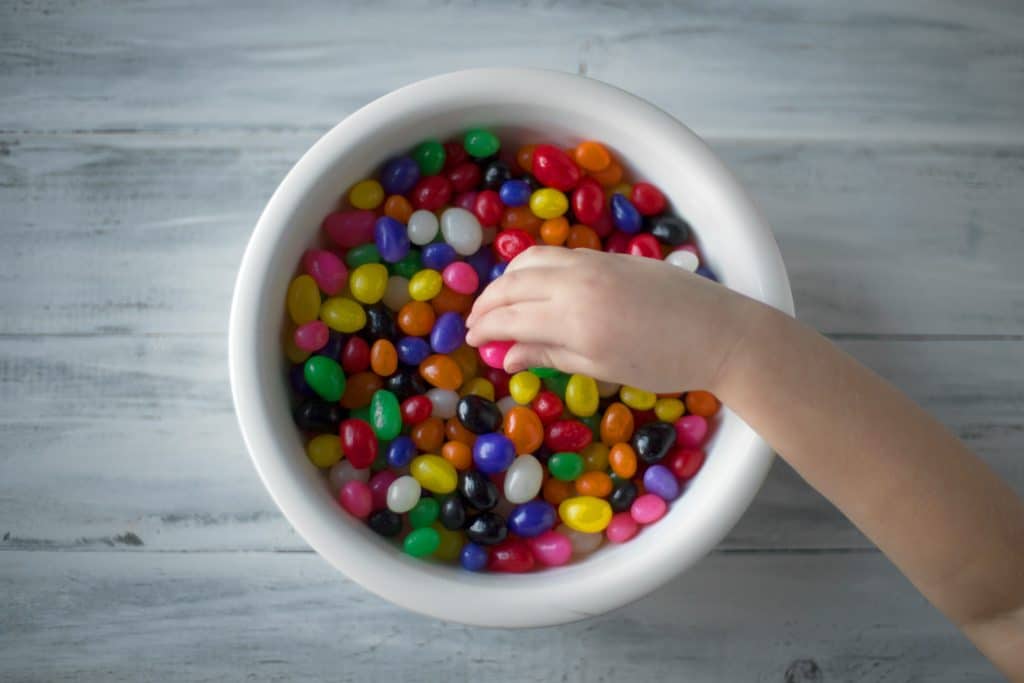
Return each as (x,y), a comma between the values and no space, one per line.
(350,228)
(466,200)
(551,548)
(648,508)
(329,271)
(622,527)
(312,336)
(493,353)
(460,277)
(355,497)
(378,488)
(691,430)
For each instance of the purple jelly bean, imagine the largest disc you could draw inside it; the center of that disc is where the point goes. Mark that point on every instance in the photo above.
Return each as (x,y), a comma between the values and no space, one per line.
(449,332)
(482,262)
(335,343)
(624,215)
(391,239)
(412,350)
(401,451)
(399,175)
(706,272)
(515,192)
(532,518)
(297,378)
(497,271)
(660,481)
(438,255)
(493,453)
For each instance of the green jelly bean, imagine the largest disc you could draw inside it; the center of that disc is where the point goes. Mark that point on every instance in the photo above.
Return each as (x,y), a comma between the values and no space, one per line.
(594,422)
(410,264)
(361,255)
(481,143)
(381,461)
(325,377)
(565,466)
(546,372)
(385,415)
(429,156)
(557,384)
(424,513)
(360,413)
(421,542)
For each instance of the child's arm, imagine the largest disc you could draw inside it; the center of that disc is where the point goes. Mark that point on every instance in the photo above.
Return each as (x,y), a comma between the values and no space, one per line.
(939,513)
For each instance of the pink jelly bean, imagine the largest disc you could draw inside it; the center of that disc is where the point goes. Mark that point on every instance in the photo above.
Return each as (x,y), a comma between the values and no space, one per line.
(460,277)
(350,228)
(622,528)
(356,498)
(618,243)
(551,548)
(493,353)
(312,336)
(328,270)
(691,430)
(466,200)
(378,488)
(648,508)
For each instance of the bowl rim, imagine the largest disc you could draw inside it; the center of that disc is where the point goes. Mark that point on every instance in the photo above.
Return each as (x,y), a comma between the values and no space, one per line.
(514,600)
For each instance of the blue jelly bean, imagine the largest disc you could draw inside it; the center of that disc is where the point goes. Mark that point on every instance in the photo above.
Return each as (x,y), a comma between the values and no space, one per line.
(532,518)
(497,271)
(624,215)
(515,192)
(332,349)
(401,451)
(412,350)
(391,239)
(399,175)
(297,378)
(449,332)
(473,557)
(437,255)
(493,453)
(482,262)
(706,272)
(660,481)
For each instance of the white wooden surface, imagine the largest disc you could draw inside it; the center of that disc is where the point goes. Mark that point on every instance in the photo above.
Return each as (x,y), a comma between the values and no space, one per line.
(137,146)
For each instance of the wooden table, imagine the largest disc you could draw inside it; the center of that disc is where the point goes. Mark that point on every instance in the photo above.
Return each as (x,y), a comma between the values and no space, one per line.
(138,144)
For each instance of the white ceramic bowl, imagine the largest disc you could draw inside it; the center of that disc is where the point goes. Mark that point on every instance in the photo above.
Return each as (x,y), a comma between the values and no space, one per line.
(519,104)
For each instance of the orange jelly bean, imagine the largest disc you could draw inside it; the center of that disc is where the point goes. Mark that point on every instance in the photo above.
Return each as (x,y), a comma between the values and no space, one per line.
(524,157)
(416,318)
(450,301)
(556,490)
(622,458)
(554,231)
(520,217)
(608,177)
(454,430)
(428,435)
(468,361)
(583,237)
(524,429)
(616,424)
(701,403)
(597,484)
(441,371)
(460,455)
(592,156)
(359,389)
(398,207)
(383,358)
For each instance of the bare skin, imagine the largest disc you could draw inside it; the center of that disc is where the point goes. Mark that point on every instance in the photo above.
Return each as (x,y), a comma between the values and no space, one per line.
(953,527)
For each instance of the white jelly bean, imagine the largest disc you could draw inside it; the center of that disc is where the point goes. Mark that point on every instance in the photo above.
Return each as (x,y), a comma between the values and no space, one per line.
(582,543)
(607,389)
(684,259)
(397,293)
(422,227)
(342,472)
(444,402)
(403,494)
(462,230)
(523,479)
(506,404)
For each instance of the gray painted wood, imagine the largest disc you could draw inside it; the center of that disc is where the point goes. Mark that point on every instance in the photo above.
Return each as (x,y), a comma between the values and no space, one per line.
(210,616)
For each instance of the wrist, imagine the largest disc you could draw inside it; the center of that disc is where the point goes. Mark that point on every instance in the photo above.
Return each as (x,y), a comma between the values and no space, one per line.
(746,335)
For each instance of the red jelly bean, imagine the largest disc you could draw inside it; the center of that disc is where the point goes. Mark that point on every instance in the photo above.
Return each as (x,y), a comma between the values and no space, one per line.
(465,176)
(644,244)
(466,200)
(548,406)
(647,199)
(554,168)
(416,409)
(350,228)
(511,555)
(510,243)
(498,379)
(355,355)
(567,435)
(642,417)
(454,154)
(604,225)
(618,243)
(430,193)
(488,207)
(685,462)
(588,201)
(358,442)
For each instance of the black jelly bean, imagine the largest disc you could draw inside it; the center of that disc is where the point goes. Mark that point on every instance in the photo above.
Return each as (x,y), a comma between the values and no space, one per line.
(653,441)
(532,182)
(478,490)
(386,523)
(495,173)
(452,514)
(380,324)
(487,528)
(622,496)
(297,378)
(335,343)
(406,383)
(315,415)
(543,454)
(479,415)
(670,230)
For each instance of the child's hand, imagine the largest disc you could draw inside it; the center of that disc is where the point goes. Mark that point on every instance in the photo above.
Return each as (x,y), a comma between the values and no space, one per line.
(618,318)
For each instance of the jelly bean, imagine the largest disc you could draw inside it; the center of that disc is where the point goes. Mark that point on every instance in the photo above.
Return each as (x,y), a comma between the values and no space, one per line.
(567,435)
(342,314)
(565,466)
(625,216)
(686,260)
(583,237)
(625,189)
(441,372)
(459,454)
(315,415)
(327,270)
(449,301)
(311,336)
(396,294)
(429,155)
(653,441)
(325,377)
(488,207)
(487,528)
(597,484)
(523,479)
(554,231)
(637,399)
(595,457)
(361,413)
(511,243)
(452,513)
(399,175)
(425,285)
(434,473)
(467,360)
(454,431)
(391,239)
(297,380)
(403,494)
(428,435)
(616,424)
(556,490)
(439,256)
(424,513)
(412,350)
(532,518)
(581,395)
(432,193)
(593,423)
(303,300)
(421,542)
(524,386)
(686,462)
(366,194)
(493,353)
(398,207)
(380,463)
(478,490)
(293,352)
(379,484)
(610,176)
(451,543)
(481,261)
(524,429)
(361,255)
(449,332)
(520,218)
(704,272)
(618,243)
(335,343)
(408,266)
(622,528)
(644,245)
(422,228)
(548,203)
(355,499)
(493,453)
(515,193)
(461,229)
(592,156)
(551,548)
(466,200)
(358,442)
(342,472)
(465,177)
(585,513)
(385,523)
(623,460)
(554,168)
(385,415)
(511,556)
(690,430)
(455,154)
(669,230)
(660,481)
(473,557)
(498,378)
(416,318)
(588,201)
(495,173)
(481,143)
(383,358)
(324,450)
(583,544)
(624,492)
(355,355)
(478,415)
(444,402)
(701,403)
(415,409)
(380,323)
(359,390)
(350,228)
(669,409)
(400,452)
(547,406)
(647,199)
(460,277)
(648,508)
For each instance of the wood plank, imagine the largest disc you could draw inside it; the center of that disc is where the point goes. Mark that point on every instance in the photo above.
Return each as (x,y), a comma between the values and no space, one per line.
(879,70)
(113,617)
(146,231)
(120,441)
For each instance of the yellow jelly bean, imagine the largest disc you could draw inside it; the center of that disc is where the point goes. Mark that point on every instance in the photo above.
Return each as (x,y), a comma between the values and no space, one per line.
(523,387)
(368,282)
(581,395)
(294,353)
(669,409)
(585,513)
(595,457)
(622,188)
(324,449)
(451,543)
(548,203)
(434,473)
(366,194)
(342,314)
(425,285)
(478,386)
(637,399)
(303,300)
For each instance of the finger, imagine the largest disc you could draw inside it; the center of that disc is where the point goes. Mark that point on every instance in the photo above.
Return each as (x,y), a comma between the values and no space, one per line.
(529,321)
(511,288)
(540,256)
(532,355)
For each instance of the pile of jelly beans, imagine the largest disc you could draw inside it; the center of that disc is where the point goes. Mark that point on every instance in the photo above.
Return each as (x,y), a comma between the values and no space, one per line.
(428,440)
